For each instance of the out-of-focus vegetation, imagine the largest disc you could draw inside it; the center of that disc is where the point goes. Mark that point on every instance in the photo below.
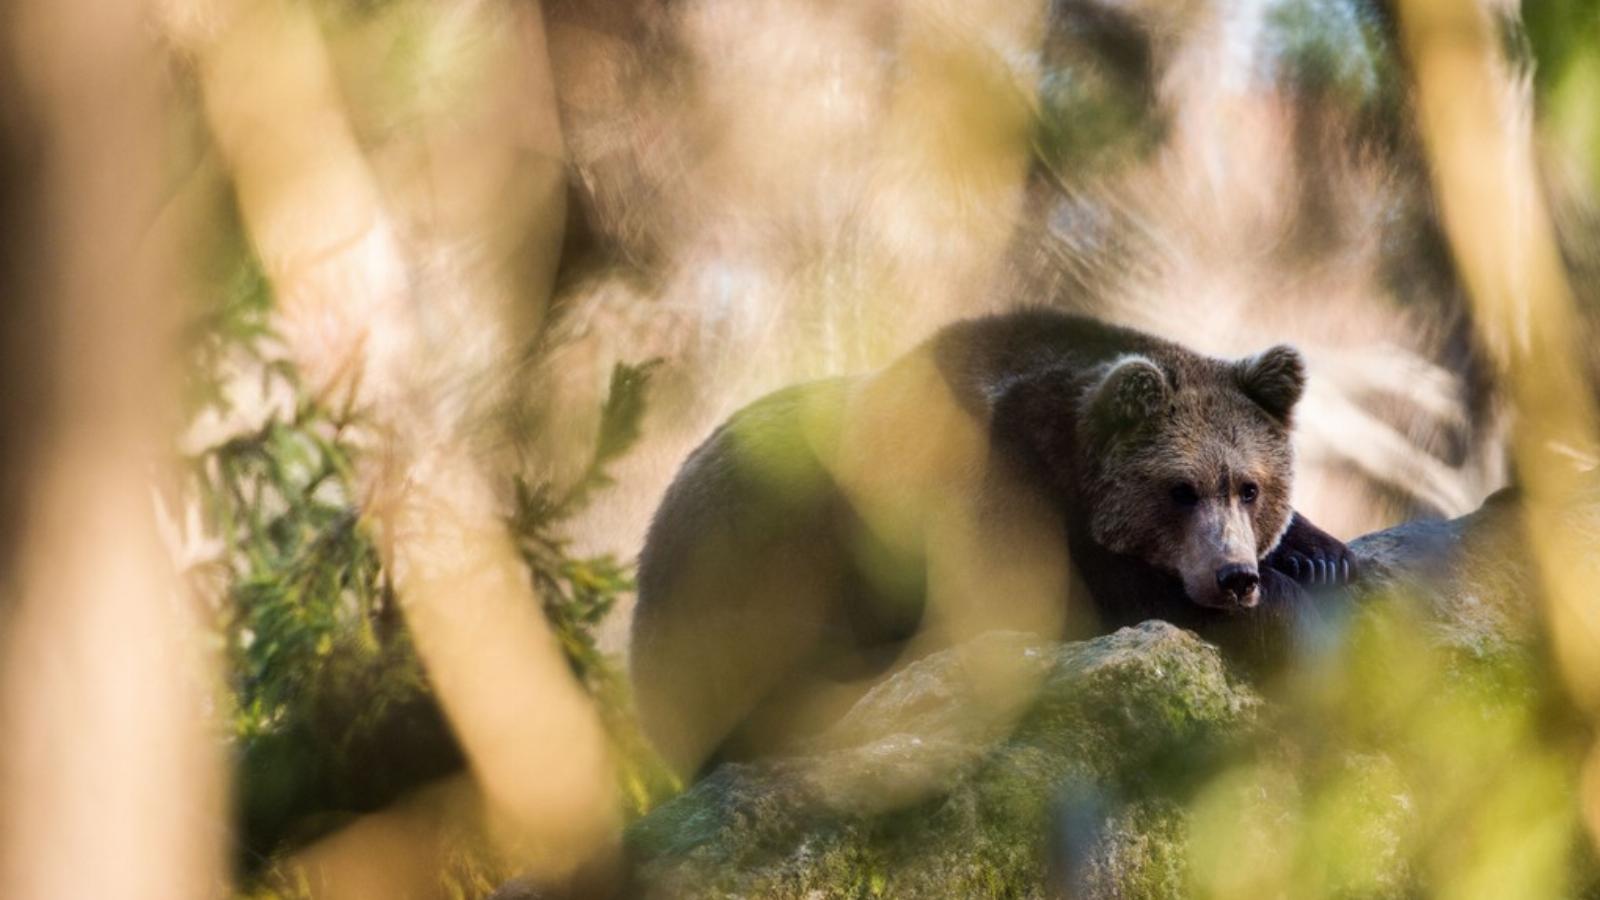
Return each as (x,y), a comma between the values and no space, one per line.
(757,191)
(1422,745)
(330,713)
(1406,765)
(1561,42)
(1392,762)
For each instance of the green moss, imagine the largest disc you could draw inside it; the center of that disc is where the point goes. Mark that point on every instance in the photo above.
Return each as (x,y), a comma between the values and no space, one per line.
(1106,717)
(1391,765)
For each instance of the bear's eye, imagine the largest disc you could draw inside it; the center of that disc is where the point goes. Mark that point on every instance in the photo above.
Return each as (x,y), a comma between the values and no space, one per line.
(1249,492)
(1184,494)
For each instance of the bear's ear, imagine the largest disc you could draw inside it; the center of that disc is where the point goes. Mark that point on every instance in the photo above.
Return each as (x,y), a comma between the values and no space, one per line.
(1132,391)
(1274,379)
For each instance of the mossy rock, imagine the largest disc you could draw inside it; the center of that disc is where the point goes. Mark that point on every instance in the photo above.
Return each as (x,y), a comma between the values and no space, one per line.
(1136,765)
(1080,789)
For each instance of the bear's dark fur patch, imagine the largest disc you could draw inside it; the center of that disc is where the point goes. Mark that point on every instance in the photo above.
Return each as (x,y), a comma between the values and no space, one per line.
(1002,468)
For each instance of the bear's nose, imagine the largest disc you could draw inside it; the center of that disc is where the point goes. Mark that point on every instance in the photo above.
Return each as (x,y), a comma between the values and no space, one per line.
(1238,579)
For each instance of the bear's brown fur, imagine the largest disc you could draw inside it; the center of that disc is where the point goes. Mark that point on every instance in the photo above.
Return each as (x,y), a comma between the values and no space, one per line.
(1028,471)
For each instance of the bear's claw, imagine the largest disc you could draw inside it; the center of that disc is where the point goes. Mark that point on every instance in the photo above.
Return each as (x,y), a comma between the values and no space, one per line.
(1318,569)
(1313,557)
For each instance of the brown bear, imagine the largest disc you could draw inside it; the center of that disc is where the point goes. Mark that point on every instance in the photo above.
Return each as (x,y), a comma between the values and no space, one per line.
(1027,471)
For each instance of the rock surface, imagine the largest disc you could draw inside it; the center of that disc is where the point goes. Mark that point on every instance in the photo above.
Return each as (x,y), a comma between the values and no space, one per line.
(1115,717)
(1134,749)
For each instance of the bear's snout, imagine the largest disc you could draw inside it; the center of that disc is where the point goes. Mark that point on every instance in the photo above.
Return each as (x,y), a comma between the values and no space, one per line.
(1238,582)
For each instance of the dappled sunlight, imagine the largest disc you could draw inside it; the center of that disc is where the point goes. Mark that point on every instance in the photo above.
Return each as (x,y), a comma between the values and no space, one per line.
(111,780)
(353,346)
(1503,236)
(373,324)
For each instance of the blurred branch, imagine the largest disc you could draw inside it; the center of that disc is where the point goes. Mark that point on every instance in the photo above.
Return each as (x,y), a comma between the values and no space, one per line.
(358,303)
(110,780)
(1475,123)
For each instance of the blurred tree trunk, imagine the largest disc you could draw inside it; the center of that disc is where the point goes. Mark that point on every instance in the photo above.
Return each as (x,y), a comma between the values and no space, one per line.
(1476,122)
(408,278)
(110,779)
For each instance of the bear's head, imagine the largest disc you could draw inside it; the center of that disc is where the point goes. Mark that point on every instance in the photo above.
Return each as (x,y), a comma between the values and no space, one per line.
(1178,460)
(1185,463)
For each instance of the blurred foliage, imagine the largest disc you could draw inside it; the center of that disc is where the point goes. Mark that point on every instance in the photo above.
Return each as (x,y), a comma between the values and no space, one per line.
(1400,764)
(1097,106)
(330,712)
(1394,760)
(1563,37)
(578,593)
(1342,49)
(1098,102)
(1396,763)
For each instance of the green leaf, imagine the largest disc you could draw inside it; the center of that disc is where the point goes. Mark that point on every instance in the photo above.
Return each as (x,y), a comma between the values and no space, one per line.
(623,412)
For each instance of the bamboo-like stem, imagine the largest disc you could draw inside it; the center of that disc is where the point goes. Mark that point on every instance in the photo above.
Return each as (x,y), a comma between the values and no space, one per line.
(111,783)
(1475,129)
(355,307)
